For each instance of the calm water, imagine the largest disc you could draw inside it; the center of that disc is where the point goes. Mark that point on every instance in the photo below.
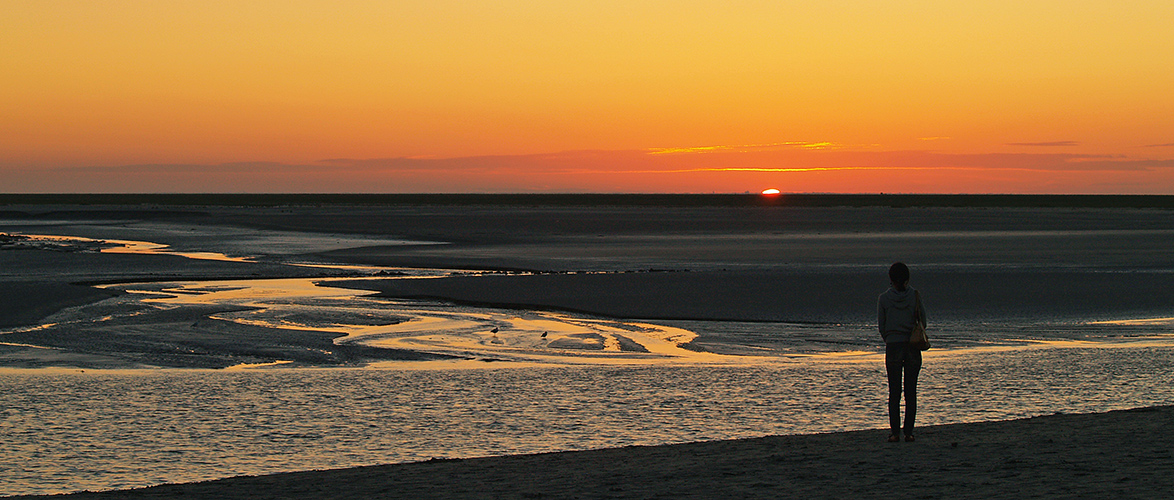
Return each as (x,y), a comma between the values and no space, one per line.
(67,431)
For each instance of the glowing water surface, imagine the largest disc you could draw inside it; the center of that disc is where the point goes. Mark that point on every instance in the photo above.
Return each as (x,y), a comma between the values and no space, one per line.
(479,333)
(485,334)
(66,431)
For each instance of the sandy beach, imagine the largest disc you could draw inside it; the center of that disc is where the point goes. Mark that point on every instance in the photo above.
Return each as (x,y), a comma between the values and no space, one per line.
(1119,454)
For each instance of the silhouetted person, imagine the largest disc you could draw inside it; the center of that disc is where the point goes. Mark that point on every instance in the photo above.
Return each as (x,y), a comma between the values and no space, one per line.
(897,309)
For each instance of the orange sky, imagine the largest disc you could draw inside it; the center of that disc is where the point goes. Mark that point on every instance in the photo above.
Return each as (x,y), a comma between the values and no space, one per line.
(624,96)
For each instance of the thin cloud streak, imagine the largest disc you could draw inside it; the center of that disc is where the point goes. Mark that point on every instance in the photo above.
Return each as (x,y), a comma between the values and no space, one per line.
(791,170)
(745,147)
(1045,144)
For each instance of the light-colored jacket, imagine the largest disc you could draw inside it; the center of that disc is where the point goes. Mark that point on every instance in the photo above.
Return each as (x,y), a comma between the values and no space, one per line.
(894,312)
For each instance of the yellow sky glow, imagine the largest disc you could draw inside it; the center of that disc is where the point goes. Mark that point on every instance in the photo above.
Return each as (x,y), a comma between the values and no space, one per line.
(108,84)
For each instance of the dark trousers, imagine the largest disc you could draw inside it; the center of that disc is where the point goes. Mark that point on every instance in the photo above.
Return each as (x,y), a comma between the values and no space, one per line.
(902,360)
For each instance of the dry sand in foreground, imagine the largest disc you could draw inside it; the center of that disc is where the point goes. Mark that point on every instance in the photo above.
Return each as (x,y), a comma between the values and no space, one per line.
(1121,454)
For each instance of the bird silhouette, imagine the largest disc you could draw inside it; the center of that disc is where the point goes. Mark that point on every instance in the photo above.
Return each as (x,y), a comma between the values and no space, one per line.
(494,330)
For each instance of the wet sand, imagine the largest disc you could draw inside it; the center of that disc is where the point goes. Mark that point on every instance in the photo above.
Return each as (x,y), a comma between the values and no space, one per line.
(822,297)
(24,303)
(1120,454)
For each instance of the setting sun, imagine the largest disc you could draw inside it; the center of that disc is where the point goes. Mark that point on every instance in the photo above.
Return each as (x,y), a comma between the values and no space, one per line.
(771,191)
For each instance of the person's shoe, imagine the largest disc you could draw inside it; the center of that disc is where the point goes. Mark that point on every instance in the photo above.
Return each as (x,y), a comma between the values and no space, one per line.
(908,438)
(893,438)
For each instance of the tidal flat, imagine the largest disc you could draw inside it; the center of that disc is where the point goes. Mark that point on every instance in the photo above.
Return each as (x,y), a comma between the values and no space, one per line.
(1036,306)
(743,277)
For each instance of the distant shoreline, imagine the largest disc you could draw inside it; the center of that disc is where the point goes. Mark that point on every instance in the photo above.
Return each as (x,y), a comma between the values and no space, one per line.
(571,200)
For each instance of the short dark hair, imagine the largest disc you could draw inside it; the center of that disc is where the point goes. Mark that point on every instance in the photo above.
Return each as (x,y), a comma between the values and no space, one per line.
(899,273)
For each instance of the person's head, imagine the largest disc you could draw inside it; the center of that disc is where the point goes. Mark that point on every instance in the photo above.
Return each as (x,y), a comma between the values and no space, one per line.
(899,275)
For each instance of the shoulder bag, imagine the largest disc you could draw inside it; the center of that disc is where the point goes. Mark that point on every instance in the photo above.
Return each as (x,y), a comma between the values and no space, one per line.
(917,338)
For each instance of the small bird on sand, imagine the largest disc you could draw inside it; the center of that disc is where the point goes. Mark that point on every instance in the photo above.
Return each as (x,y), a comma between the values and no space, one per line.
(543,334)
(494,330)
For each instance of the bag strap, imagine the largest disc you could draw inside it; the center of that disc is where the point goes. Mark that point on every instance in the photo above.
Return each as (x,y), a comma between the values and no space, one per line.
(916,306)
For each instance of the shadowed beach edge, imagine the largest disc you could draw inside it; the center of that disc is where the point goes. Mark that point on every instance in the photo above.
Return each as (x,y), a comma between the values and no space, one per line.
(1120,453)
